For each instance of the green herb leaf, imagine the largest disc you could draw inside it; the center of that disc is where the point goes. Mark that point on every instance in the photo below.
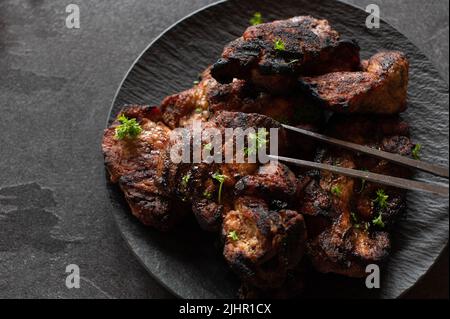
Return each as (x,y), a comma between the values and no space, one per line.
(416,151)
(279,45)
(378,221)
(185,180)
(256,19)
(221,179)
(259,140)
(198,110)
(381,199)
(207,194)
(208,147)
(233,235)
(129,128)
(336,190)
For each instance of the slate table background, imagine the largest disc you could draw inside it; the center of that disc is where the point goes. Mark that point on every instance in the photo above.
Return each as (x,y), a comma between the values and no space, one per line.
(56,88)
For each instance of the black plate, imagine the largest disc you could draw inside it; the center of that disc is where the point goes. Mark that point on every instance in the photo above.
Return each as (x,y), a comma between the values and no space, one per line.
(187,261)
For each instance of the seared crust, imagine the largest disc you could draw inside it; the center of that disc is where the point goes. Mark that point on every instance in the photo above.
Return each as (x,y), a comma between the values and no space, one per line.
(273,180)
(268,244)
(339,211)
(380,88)
(209,96)
(311,47)
(133,164)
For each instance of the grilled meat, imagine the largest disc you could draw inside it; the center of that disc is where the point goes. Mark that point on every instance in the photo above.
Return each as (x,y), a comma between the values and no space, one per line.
(273,180)
(311,47)
(380,88)
(348,227)
(132,164)
(262,245)
(209,96)
(344,223)
(200,187)
(154,185)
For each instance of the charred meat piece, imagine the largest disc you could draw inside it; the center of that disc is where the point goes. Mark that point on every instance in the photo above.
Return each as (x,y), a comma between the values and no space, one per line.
(132,164)
(147,205)
(309,47)
(273,180)
(349,220)
(124,157)
(199,182)
(262,245)
(209,96)
(380,88)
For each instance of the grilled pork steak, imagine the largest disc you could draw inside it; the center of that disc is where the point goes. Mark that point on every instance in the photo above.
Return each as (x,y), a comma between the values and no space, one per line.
(309,47)
(348,220)
(380,88)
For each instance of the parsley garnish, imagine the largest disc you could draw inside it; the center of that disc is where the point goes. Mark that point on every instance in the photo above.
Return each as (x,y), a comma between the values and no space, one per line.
(185,180)
(378,221)
(336,190)
(279,45)
(259,140)
(381,199)
(207,194)
(415,151)
(129,128)
(256,19)
(198,110)
(221,179)
(208,147)
(233,235)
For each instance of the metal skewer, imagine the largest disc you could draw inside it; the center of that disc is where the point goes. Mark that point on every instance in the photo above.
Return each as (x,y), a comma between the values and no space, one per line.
(395,158)
(371,177)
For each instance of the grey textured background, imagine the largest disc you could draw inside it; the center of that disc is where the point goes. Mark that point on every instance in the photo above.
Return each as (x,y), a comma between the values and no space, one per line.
(56,88)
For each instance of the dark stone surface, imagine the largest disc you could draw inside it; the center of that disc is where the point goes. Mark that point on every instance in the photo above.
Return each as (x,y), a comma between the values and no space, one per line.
(56,88)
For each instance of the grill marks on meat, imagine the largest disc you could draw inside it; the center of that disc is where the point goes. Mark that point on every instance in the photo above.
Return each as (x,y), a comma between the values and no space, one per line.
(271,236)
(380,88)
(209,96)
(132,164)
(342,236)
(273,180)
(269,243)
(311,47)
(200,188)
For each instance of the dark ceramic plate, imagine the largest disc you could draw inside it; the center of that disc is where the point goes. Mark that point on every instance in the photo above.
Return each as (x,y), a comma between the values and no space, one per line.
(187,261)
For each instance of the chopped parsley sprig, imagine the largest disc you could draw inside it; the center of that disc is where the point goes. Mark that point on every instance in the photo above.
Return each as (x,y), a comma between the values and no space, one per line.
(258,140)
(336,190)
(233,235)
(416,151)
(278,45)
(381,198)
(378,221)
(221,179)
(381,201)
(256,19)
(129,128)
(185,180)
